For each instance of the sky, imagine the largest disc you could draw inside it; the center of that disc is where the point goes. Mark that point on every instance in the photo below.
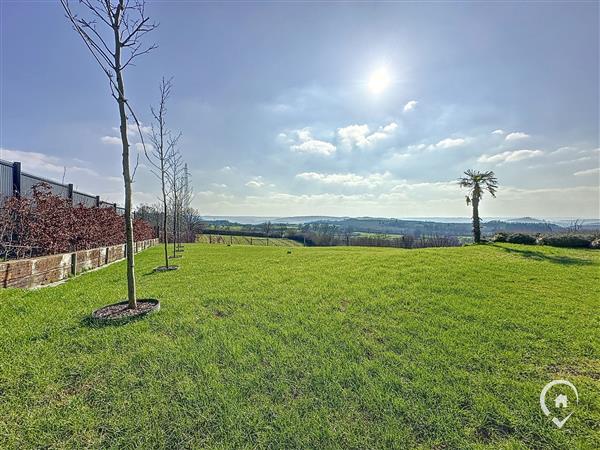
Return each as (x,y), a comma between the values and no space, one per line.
(342,109)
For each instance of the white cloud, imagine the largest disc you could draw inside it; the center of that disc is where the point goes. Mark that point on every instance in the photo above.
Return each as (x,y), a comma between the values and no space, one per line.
(353,135)
(389,128)
(498,132)
(563,149)
(111,140)
(410,105)
(314,146)
(346,179)
(576,160)
(44,164)
(361,136)
(256,182)
(416,147)
(140,147)
(587,172)
(305,143)
(132,129)
(509,156)
(212,194)
(83,178)
(447,143)
(31,161)
(304,134)
(516,136)
(406,199)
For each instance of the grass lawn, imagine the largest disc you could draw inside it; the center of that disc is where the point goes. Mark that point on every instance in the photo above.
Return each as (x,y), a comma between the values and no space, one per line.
(321,348)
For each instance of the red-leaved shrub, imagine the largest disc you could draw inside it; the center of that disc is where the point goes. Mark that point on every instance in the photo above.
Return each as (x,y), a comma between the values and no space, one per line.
(45,224)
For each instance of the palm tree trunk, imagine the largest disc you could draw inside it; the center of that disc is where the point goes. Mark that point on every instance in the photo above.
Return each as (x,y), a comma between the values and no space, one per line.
(476,222)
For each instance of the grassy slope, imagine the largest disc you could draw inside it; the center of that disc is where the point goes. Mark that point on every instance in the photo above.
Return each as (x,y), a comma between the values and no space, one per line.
(247,240)
(320,348)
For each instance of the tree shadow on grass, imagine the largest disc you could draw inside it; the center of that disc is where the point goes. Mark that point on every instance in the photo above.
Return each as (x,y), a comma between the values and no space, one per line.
(541,256)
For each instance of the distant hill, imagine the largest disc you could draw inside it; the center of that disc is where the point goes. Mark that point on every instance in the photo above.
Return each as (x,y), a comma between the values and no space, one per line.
(525,220)
(426,226)
(255,220)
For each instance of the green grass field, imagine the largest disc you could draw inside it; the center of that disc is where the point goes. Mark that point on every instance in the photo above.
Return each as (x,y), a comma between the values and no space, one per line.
(245,240)
(321,348)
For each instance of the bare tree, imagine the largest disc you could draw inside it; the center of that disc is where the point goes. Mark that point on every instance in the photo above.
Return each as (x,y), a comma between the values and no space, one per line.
(268,226)
(175,178)
(159,155)
(187,213)
(113,34)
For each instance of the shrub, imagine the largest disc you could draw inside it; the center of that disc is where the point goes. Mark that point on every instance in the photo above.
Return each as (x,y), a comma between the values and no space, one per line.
(521,238)
(500,237)
(45,224)
(566,240)
(595,244)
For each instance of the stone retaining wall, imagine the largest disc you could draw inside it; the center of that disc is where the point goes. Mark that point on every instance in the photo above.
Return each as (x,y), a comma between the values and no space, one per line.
(34,272)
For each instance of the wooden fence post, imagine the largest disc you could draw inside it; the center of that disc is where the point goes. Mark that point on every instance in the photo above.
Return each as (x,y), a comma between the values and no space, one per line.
(74,263)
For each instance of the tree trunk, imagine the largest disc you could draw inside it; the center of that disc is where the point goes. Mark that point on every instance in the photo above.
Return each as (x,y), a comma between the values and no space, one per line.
(165,239)
(164,195)
(476,221)
(174,224)
(131,295)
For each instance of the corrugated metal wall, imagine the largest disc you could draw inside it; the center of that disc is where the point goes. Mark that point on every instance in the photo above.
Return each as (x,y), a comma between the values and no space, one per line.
(83,199)
(28,181)
(6,179)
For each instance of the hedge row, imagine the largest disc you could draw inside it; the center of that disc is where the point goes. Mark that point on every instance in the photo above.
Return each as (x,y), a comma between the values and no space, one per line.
(46,224)
(555,240)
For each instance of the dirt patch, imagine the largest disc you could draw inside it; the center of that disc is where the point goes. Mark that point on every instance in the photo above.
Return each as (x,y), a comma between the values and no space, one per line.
(166,269)
(121,311)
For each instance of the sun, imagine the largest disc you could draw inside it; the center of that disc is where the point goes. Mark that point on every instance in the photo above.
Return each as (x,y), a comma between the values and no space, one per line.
(379,80)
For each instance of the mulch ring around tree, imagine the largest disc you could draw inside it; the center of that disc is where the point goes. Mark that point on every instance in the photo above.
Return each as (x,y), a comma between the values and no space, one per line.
(165,268)
(120,312)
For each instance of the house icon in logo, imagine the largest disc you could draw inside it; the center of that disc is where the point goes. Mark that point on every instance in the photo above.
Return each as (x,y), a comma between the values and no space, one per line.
(561,401)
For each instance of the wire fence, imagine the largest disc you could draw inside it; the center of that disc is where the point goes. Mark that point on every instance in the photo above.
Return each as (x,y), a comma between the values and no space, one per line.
(15,182)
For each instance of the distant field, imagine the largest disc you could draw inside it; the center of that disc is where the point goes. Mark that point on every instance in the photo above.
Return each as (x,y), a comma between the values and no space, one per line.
(245,240)
(320,348)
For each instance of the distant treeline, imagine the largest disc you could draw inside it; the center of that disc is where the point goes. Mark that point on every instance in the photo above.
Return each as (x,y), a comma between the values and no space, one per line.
(332,237)
(415,228)
(372,232)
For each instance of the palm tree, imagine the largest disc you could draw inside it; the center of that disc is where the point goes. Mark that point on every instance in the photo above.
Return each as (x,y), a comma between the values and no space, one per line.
(477,183)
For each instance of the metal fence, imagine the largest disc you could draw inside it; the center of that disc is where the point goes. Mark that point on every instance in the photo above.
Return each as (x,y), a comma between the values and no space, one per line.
(6,180)
(15,182)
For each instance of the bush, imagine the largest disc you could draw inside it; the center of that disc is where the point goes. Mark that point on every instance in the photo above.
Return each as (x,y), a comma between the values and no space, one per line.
(595,244)
(520,238)
(45,224)
(500,237)
(566,240)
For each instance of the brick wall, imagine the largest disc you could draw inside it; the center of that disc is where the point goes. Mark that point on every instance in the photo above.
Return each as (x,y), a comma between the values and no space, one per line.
(30,273)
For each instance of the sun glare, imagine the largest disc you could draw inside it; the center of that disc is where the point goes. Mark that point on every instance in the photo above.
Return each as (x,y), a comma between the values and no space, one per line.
(379,80)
